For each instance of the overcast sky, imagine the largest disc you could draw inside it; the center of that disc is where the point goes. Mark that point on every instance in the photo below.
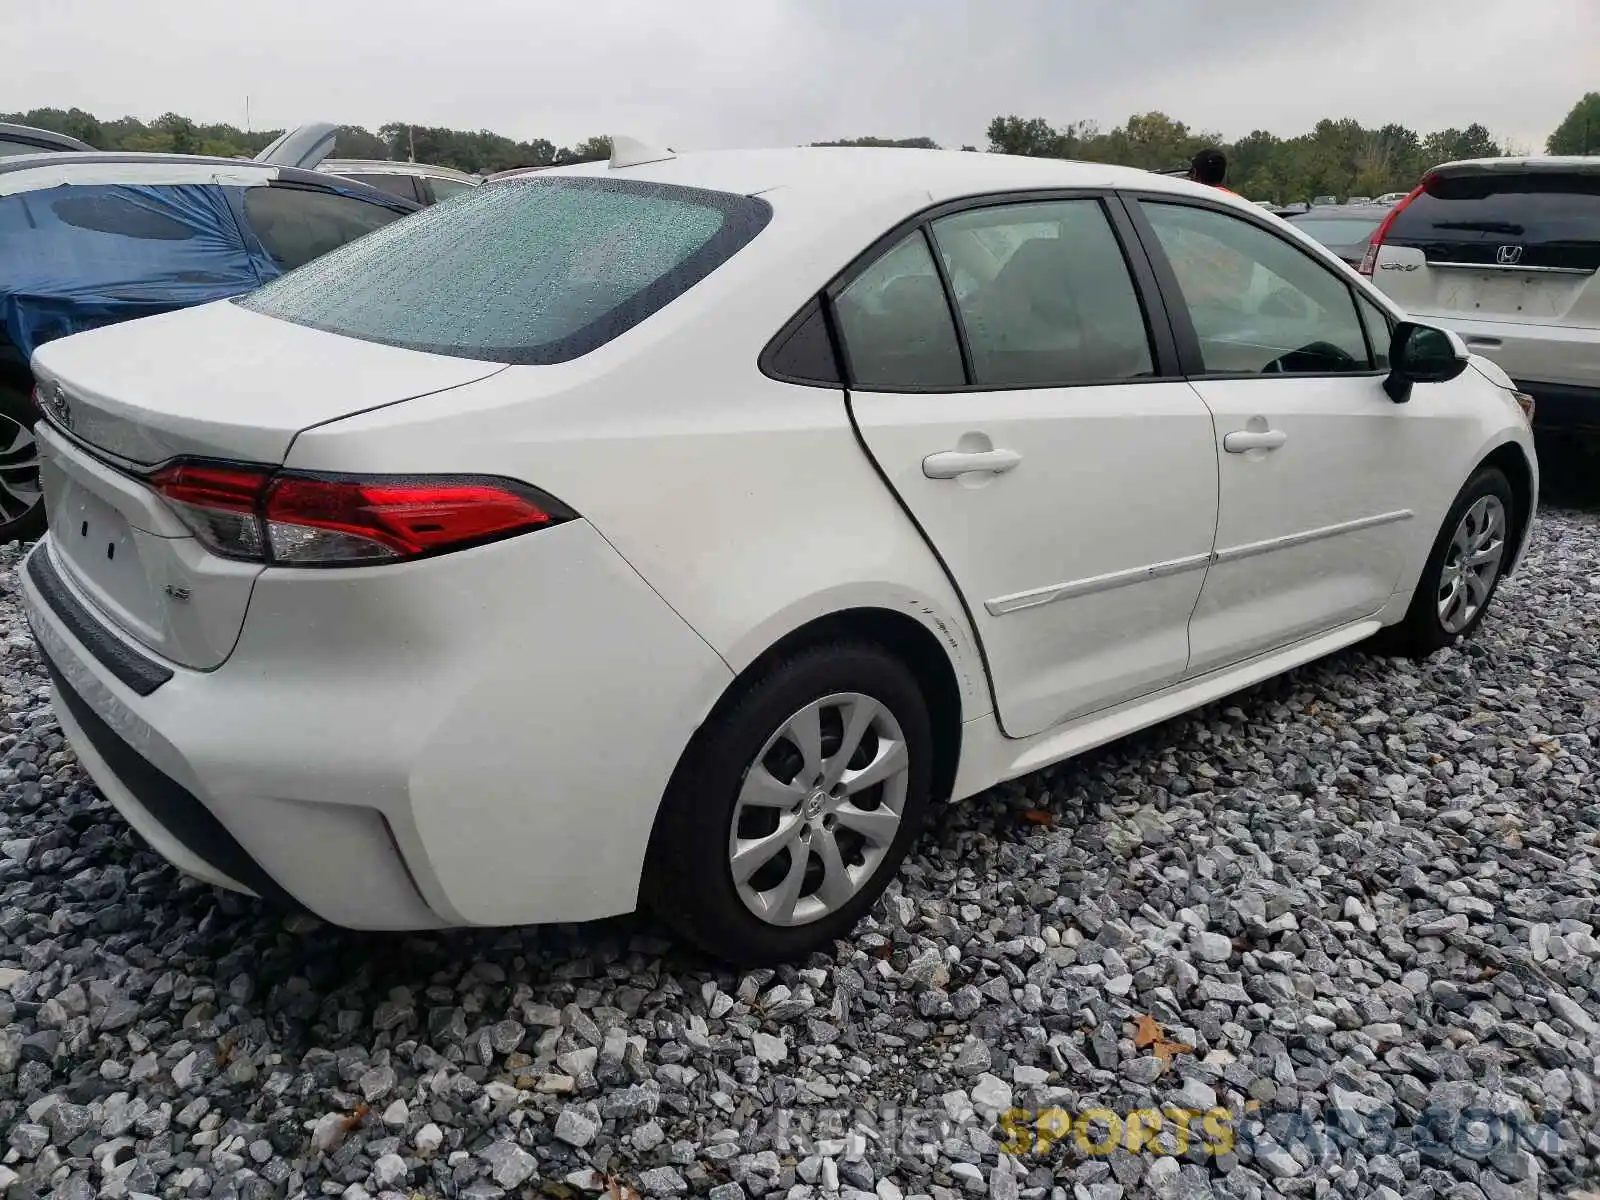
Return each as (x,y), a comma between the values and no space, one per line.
(712,73)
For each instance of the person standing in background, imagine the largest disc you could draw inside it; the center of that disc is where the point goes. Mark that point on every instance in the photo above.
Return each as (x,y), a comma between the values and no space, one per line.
(1210,167)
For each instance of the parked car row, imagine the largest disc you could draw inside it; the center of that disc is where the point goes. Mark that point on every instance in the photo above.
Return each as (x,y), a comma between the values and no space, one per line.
(1504,251)
(680,530)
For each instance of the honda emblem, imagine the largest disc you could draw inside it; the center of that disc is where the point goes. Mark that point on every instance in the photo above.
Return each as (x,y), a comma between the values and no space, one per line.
(1508,256)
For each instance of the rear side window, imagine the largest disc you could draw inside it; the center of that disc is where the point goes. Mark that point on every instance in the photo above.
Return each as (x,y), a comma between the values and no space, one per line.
(297,225)
(896,324)
(443,189)
(105,211)
(529,271)
(1527,219)
(1339,231)
(1045,295)
(395,185)
(9,149)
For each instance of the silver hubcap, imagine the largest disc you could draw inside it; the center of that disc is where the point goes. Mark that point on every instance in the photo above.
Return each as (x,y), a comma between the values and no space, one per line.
(19,471)
(819,809)
(1472,564)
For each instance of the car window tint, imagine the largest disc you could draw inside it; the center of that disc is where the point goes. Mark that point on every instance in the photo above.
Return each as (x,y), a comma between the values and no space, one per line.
(1380,330)
(1258,304)
(443,189)
(395,185)
(9,149)
(1544,218)
(297,225)
(124,215)
(896,325)
(1045,295)
(528,271)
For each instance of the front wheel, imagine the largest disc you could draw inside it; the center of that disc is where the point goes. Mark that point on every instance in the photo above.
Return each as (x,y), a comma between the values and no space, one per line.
(1463,571)
(795,806)
(21,505)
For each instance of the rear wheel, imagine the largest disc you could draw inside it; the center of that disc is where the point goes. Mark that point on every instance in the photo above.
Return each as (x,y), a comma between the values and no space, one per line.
(1463,571)
(795,806)
(21,506)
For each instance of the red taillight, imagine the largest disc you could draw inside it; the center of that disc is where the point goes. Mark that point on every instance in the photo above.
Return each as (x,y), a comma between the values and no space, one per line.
(290,519)
(1369,260)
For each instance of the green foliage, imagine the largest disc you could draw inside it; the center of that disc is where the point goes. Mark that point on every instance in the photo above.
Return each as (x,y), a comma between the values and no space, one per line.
(1580,132)
(914,143)
(482,151)
(1337,158)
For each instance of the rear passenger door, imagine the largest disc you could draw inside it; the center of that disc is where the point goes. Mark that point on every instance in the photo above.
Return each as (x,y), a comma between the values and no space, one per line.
(295,224)
(1024,404)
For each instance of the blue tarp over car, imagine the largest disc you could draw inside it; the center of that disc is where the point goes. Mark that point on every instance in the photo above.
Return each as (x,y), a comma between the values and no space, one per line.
(78,257)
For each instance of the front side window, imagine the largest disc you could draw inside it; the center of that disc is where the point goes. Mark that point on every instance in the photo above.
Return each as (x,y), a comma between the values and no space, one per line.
(10,149)
(529,271)
(1258,304)
(896,324)
(1045,295)
(1380,330)
(297,225)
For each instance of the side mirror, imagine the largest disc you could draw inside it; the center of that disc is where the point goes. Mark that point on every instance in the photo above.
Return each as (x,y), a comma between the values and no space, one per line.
(1422,354)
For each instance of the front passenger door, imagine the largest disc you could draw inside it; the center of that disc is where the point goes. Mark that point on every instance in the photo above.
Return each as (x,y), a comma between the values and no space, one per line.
(1321,473)
(1008,382)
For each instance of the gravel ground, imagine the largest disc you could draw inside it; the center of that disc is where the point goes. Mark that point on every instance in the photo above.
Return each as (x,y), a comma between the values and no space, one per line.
(1349,916)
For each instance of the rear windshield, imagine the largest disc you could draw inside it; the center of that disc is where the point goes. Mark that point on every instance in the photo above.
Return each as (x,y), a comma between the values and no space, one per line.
(526,271)
(1338,231)
(1531,219)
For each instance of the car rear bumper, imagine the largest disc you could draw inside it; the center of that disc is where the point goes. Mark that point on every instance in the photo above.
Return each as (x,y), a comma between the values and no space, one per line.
(1558,365)
(1560,407)
(451,742)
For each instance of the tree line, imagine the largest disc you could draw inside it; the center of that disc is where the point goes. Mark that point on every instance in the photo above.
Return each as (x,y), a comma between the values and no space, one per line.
(1336,157)
(478,151)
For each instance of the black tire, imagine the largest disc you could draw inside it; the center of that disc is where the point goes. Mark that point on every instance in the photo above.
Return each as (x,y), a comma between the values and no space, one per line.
(19,466)
(688,879)
(1422,631)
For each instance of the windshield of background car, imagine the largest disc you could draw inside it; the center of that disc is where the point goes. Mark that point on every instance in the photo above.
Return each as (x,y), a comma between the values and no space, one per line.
(1338,231)
(529,271)
(1547,218)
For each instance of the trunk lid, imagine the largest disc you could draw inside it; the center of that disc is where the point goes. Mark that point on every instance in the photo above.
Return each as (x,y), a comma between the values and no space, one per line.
(222,382)
(215,381)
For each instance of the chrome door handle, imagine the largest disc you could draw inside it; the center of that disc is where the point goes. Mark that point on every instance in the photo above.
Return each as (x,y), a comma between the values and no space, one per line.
(948,464)
(1242,441)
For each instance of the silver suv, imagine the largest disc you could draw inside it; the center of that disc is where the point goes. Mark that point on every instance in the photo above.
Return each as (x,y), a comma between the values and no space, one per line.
(1506,251)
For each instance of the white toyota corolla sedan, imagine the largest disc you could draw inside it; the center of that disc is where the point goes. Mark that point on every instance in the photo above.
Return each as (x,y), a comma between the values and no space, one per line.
(678,530)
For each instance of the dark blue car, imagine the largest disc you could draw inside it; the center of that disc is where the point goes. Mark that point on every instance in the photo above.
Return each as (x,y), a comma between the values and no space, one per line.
(88,239)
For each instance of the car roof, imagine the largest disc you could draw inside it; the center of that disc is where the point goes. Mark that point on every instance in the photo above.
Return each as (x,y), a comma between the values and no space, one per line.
(49,137)
(32,172)
(380,166)
(1585,164)
(852,175)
